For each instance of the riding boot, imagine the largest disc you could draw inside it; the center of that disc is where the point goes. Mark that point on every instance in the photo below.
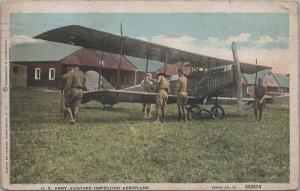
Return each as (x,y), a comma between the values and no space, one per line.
(163,115)
(144,110)
(179,115)
(255,113)
(156,117)
(72,121)
(148,115)
(76,109)
(65,113)
(73,112)
(260,115)
(184,115)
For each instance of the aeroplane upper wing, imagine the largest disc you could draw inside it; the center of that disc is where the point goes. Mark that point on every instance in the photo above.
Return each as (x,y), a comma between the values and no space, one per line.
(94,39)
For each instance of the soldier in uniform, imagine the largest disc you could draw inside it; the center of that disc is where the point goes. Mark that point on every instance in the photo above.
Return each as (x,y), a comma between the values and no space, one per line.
(182,96)
(163,88)
(74,92)
(146,86)
(64,79)
(259,96)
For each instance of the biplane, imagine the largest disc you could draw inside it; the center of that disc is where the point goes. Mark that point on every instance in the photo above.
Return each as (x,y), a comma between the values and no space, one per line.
(210,77)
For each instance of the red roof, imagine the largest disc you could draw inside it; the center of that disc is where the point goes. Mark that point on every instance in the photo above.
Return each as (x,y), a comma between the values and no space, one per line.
(173,69)
(88,57)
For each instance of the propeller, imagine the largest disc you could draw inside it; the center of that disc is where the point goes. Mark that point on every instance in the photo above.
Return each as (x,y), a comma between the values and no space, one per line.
(238,77)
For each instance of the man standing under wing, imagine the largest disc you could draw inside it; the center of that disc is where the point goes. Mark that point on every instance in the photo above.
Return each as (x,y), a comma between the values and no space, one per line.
(64,79)
(146,86)
(74,92)
(163,88)
(182,96)
(259,96)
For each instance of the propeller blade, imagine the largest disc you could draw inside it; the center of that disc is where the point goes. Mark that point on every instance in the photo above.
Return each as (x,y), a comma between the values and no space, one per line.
(238,77)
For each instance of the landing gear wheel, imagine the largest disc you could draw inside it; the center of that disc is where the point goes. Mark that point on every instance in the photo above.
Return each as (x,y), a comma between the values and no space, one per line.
(194,113)
(217,112)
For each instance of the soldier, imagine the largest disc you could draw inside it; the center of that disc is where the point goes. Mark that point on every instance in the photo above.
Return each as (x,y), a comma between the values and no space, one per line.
(259,96)
(64,79)
(146,86)
(163,88)
(182,96)
(74,92)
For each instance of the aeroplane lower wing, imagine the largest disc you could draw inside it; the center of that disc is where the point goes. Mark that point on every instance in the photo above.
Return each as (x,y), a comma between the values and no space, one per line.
(112,97)
(94,39)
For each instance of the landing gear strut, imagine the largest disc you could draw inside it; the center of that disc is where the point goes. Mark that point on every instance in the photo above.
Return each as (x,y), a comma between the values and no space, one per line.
(195,112)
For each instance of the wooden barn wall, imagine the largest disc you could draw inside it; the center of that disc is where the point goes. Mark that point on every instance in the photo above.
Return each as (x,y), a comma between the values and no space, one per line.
(284,90)
(126,77)
(244,90)
(18,78)
(139,77)
(245,87)
(44,81)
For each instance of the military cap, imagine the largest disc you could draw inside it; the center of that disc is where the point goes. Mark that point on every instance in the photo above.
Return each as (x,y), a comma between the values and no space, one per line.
(75,65)
(161,74)
(180,71)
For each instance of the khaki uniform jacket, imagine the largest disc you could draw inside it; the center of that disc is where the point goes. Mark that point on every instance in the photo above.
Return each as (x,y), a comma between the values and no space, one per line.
(260,91)
(64,79)
(163,86)
(76,79)
(182,91)
(146,85)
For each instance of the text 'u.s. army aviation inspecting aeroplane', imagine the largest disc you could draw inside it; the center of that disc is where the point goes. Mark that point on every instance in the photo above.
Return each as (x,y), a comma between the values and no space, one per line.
(211,77)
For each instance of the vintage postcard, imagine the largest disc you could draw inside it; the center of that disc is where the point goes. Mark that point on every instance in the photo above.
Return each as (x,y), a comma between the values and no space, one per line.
(149,95)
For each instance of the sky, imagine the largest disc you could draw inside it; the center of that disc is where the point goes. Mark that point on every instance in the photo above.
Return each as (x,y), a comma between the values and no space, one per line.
(261,36)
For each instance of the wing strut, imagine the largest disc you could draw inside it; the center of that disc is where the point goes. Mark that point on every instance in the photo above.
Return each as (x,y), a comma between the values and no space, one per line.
(198,66)
(100,67)
(255,76)
(191,63)
(181,61)
(166,61)
(120,60)
(147,62)
(119,66)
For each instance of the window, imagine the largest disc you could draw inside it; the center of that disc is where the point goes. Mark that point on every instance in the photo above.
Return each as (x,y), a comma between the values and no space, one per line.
(52,74)
(37,73)
(15,70)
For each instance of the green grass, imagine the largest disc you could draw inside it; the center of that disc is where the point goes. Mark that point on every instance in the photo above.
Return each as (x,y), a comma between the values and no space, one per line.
(118,146)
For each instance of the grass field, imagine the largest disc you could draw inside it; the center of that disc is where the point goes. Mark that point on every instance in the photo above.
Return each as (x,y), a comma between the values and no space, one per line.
(117,145)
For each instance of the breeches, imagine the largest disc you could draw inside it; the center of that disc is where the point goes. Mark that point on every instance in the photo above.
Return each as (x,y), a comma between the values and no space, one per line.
(146,106)
(181,100)
(258,105)
(73,97)
(161,101)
